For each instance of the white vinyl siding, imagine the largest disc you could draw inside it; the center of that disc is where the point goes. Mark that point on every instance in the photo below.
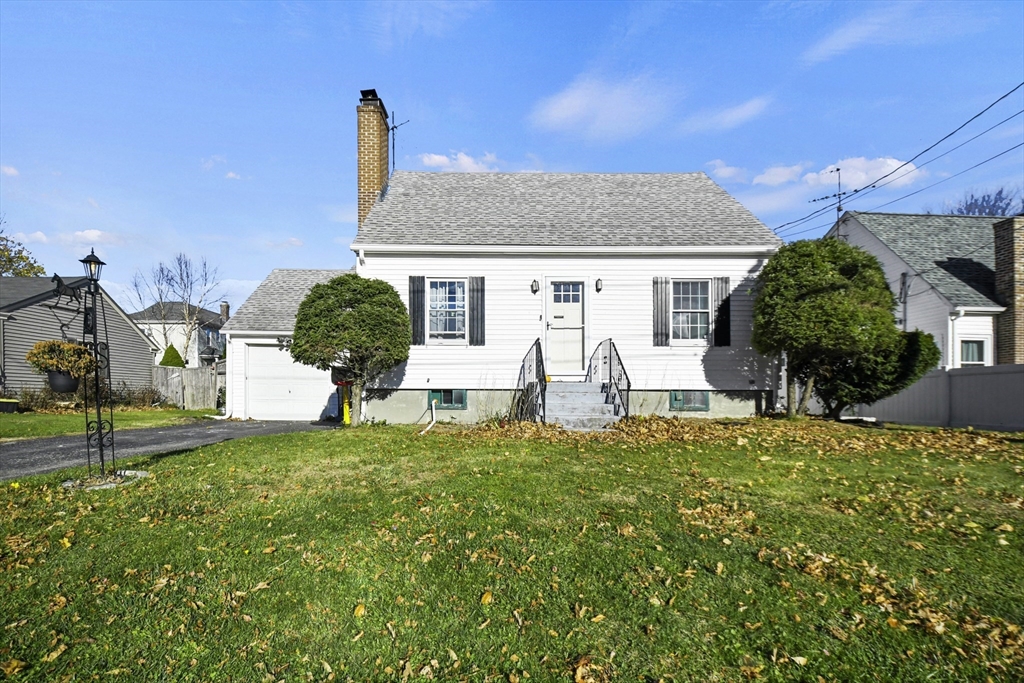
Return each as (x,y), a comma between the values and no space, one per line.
(623,310)
(977,331)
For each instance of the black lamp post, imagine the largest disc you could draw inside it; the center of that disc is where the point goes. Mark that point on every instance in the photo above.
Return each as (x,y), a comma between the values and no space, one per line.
(99,432)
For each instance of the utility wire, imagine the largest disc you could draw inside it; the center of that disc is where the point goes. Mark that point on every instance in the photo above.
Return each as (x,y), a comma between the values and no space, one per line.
(876,186)
(911,194)
(818,212)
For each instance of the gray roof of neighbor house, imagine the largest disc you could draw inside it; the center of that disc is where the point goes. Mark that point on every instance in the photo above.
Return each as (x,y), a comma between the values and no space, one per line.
(174,312)
(18,292)
(274,304)
(954,254)
(560,210)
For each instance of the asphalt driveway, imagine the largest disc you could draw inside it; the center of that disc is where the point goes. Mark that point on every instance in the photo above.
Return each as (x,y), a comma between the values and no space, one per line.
(38,456)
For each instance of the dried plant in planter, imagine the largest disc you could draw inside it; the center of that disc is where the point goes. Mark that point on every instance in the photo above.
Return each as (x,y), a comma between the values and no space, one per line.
(60,356)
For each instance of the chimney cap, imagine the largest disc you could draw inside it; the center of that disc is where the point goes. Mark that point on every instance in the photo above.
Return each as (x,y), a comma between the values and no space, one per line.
(370,97)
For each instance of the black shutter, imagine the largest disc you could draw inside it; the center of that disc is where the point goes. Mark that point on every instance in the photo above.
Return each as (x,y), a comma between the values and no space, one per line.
(661,310)
(476,311)
(722,306)
(417,308)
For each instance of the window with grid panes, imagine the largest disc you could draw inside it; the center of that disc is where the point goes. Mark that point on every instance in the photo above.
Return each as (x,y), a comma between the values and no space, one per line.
(691,309)
(446,310)
(567,292)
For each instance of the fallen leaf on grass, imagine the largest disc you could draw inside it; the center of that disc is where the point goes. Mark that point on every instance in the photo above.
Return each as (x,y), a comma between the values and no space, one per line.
(719,568)
(915,545)
(359,611)
(13,666)
(262,585)
(483,625)
(65,542)
(799,660)
(357,636)
(269,549)
(1004,527)
(56,653)
(487,598)
(598,619)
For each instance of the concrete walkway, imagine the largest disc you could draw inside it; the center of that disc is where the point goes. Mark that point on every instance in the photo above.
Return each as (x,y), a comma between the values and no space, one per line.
(38,456)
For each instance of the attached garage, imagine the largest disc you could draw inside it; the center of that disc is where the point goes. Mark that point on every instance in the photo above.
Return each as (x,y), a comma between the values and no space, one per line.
(277,388)
(263,382)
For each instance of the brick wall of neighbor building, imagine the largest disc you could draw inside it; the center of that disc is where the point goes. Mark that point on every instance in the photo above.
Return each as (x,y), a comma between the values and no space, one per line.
(372,150)
(1009,244)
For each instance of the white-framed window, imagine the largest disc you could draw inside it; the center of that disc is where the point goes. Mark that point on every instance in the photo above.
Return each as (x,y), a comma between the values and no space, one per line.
(972,352)
(691,310)
(446,310)
(567,292)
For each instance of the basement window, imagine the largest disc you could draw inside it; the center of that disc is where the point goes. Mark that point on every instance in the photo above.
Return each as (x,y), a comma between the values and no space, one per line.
(447,399)
(690,401)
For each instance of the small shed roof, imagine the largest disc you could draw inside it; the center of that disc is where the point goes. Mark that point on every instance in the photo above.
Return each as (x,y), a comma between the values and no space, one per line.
(274,304)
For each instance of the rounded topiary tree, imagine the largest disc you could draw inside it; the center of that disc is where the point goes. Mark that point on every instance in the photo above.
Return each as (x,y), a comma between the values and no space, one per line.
(356,324)
(172,359)
(827,306)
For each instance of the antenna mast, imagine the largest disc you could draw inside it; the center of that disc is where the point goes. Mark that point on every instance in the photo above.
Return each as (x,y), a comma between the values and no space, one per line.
(838,195)
(394,127)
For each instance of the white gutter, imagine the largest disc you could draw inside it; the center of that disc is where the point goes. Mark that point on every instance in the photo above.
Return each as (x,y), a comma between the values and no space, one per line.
(990,310)
(753,250)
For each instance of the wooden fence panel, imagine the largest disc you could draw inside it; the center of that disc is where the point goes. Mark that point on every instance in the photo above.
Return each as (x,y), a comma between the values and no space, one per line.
(188,388)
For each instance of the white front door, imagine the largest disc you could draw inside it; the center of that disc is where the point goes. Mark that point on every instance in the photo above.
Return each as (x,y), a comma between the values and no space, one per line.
(565,329)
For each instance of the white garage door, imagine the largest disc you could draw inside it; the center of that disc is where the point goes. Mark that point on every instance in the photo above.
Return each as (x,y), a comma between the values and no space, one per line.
(278,388)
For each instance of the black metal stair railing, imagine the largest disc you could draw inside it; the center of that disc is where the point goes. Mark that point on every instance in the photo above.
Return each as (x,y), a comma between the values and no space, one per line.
(529,400)
(606,367)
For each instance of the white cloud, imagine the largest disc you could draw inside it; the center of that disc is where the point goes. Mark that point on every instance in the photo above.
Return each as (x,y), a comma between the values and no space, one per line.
(722,171)
(93,203)
(858,172)
(460,162)
(601,110)
(726,119)
(31,238)
(89,237)
(231,175)
(398,22)
(9,171)
(906,23)
(209,162)
(780,175)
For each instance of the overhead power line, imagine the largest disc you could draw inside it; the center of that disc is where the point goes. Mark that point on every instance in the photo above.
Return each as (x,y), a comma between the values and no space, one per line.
(818,212)
(877,186)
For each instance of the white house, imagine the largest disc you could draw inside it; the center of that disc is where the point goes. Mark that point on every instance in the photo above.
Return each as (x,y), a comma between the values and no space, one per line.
(494,267)
(943,271)
(164,323)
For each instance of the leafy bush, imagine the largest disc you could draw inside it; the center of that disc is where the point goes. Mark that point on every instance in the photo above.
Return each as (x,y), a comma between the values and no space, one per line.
(172,359)
(53,355)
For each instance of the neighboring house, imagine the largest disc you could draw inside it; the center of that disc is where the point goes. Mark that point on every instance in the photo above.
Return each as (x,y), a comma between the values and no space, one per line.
(263,382)
(165,324)
(30,311)
(943,270)
(661,264)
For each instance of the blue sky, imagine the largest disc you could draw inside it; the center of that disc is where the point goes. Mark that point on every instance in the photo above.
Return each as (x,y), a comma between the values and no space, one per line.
(227,130)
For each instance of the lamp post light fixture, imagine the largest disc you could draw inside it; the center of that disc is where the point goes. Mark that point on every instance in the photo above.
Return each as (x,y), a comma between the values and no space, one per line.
(534,286)
(598,285)
(99,432)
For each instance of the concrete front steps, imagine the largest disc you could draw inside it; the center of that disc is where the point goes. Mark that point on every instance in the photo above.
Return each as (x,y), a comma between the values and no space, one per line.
(579,406)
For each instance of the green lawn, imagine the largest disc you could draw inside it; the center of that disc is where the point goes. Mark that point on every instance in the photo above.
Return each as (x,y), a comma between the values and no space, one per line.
(674,551)
(33,425)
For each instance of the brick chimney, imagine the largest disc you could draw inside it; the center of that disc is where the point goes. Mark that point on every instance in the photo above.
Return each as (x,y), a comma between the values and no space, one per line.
(225,311)
(372,150)
(1009,243)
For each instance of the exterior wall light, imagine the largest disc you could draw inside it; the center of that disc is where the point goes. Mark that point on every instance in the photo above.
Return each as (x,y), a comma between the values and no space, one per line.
(598,285)
(534,286)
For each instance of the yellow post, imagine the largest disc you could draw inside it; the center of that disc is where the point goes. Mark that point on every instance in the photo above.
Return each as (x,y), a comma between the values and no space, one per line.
(346,416)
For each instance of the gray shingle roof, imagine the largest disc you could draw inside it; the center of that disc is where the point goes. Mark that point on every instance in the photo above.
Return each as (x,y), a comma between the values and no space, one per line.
(173,311)
(18,292)
(954,254)
(272,307)
(560,209)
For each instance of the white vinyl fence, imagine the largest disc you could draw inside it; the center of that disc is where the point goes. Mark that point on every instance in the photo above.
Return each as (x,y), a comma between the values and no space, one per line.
(980,397)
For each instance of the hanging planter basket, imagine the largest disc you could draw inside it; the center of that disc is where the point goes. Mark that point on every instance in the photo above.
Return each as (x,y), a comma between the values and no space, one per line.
(62,382)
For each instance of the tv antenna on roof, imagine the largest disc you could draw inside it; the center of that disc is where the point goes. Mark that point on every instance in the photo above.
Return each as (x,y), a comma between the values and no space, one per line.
(838,195)
(394,127)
